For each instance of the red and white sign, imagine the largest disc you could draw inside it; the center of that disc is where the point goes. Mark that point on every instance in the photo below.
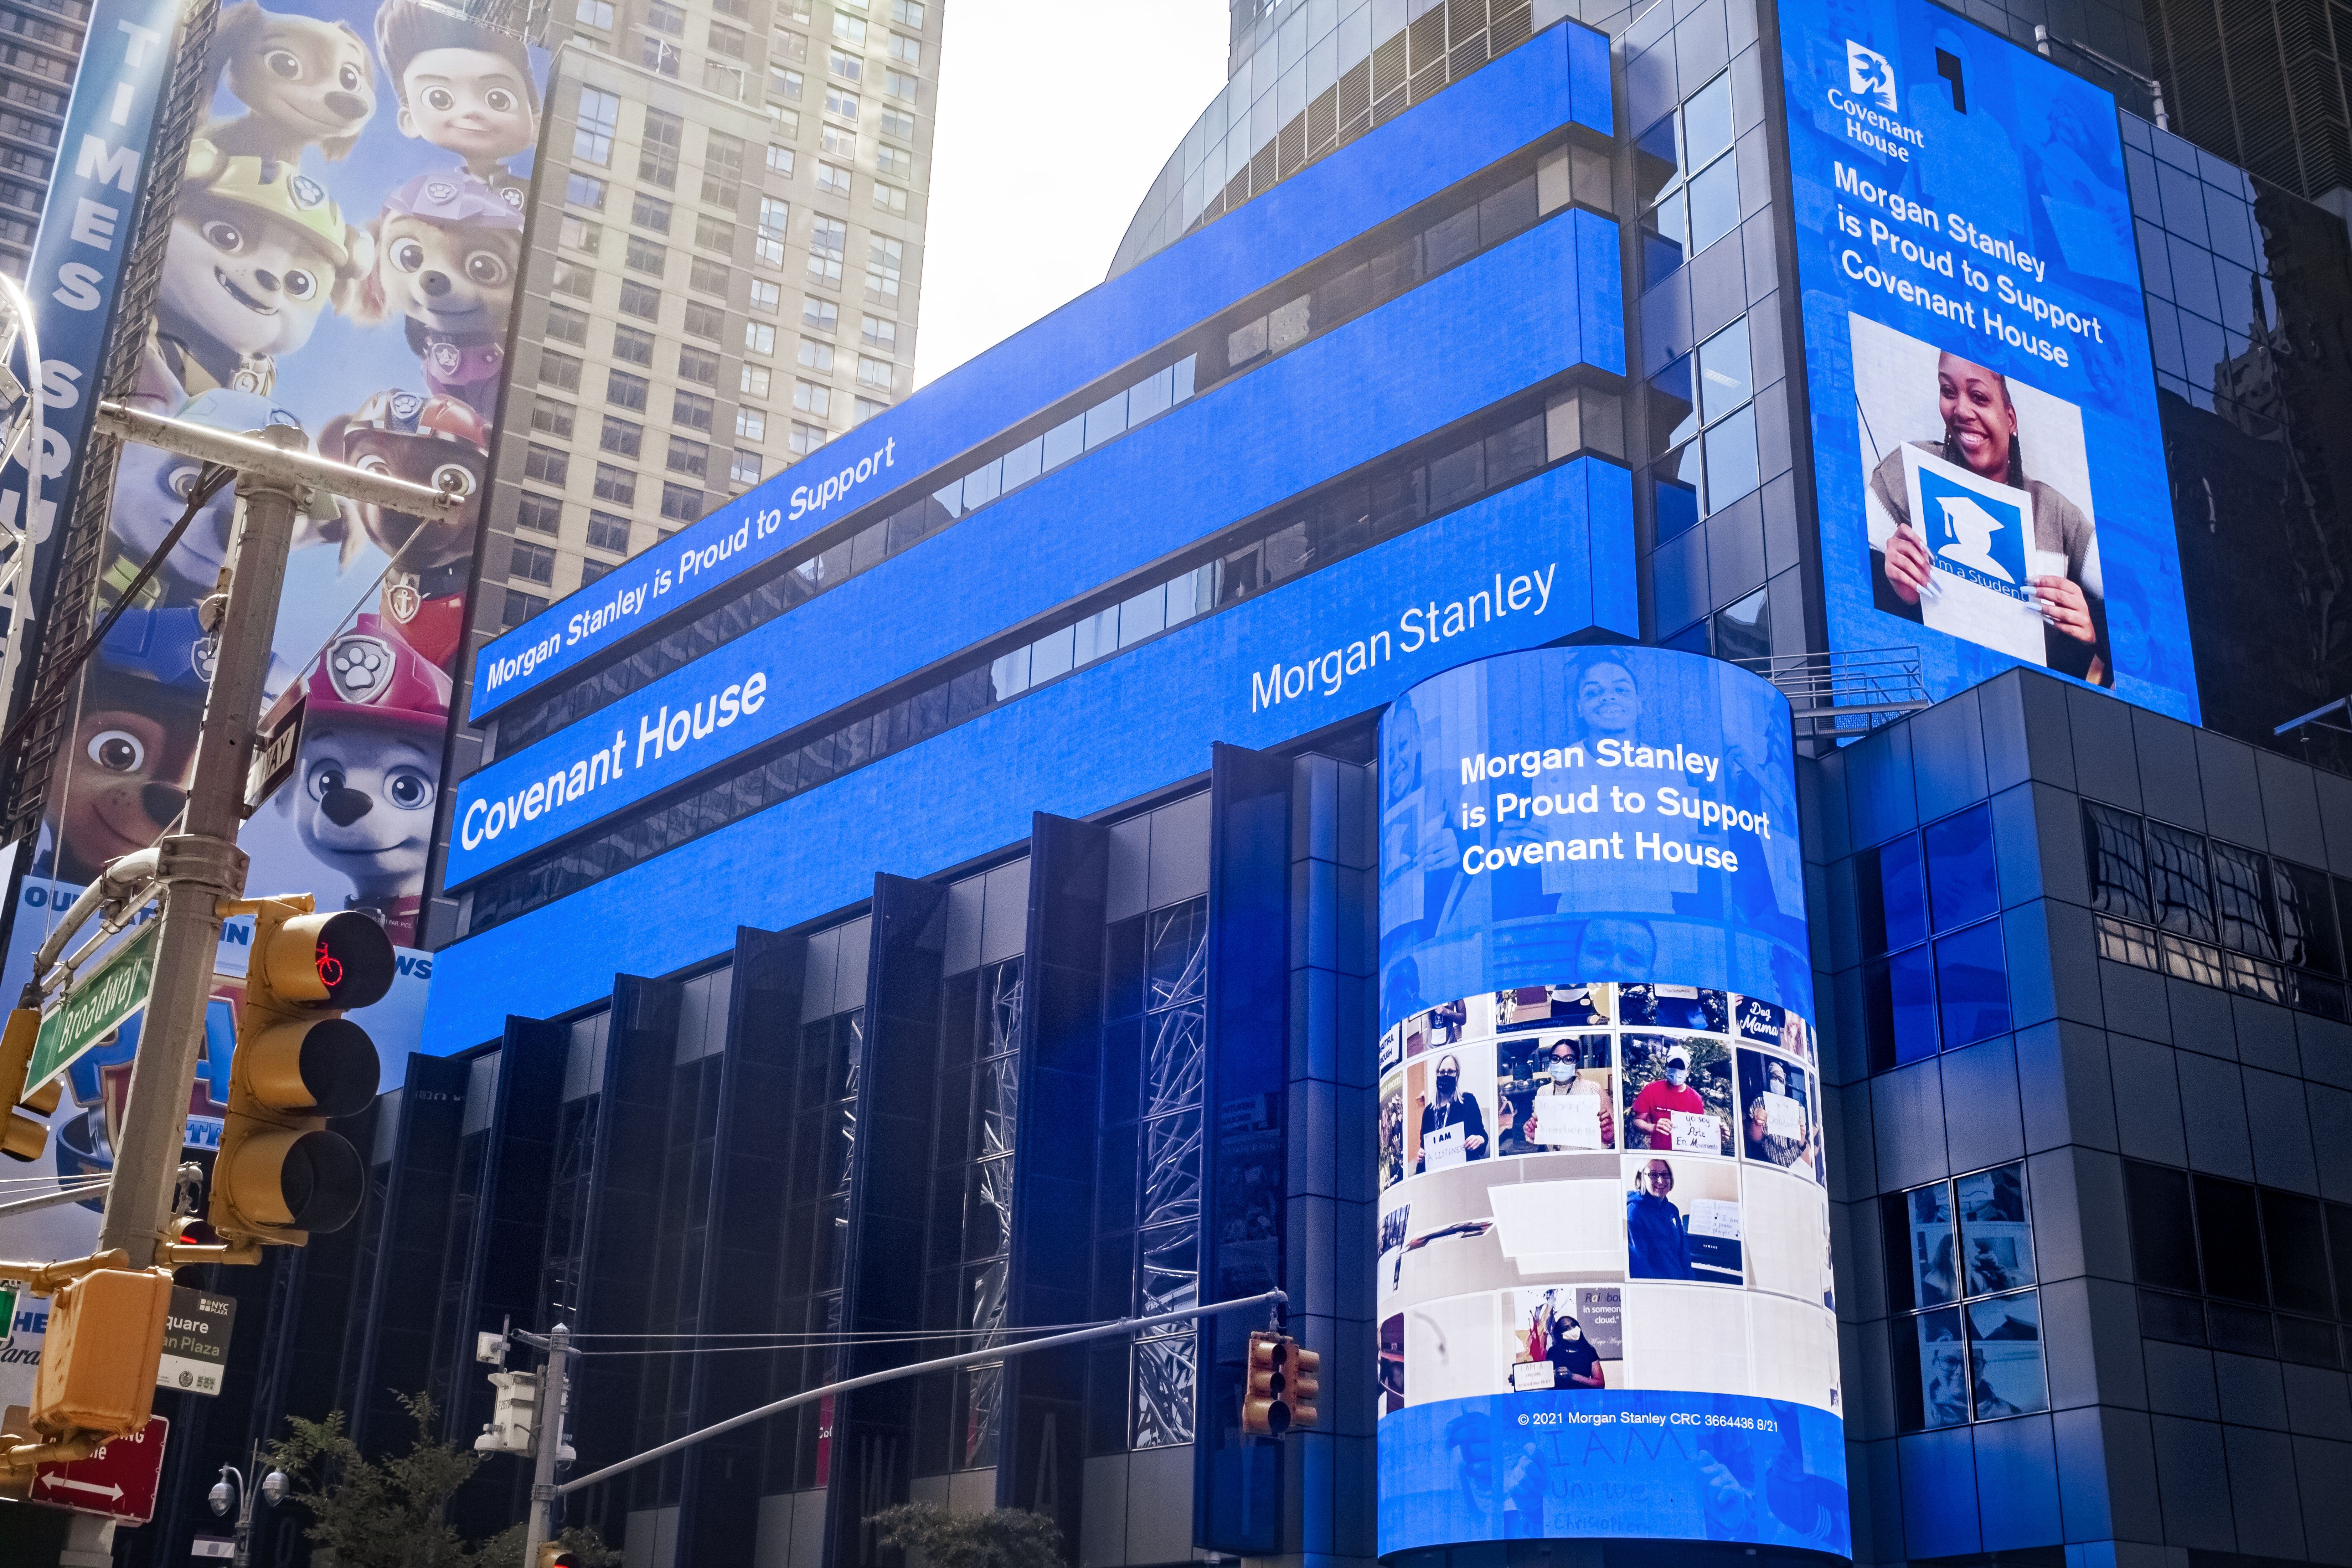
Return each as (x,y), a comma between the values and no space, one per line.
(118,1481)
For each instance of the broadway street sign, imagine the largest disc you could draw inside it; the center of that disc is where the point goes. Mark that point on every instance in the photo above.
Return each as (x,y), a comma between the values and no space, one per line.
(112,992)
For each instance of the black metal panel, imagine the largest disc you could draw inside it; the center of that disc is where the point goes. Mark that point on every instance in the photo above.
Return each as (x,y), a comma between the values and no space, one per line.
(1237,1480)
(396,1351)
(720,1494)
(872,1446)
(1042,1465)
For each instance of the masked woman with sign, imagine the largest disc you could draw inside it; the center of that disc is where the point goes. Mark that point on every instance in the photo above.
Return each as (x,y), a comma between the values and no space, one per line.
(1455,1107)
(1981,434)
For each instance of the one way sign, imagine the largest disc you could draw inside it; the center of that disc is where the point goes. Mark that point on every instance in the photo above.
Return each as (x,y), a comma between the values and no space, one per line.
(118,1481)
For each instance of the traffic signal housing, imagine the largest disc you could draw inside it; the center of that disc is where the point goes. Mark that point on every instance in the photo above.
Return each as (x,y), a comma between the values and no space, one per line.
(280,1175)
(25,1119)
(97,1363)
(1300,1385)
(1264,1412)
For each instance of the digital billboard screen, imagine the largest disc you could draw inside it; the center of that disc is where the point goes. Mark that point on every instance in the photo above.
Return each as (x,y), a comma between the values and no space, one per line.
(1988,465)
(1603,1277)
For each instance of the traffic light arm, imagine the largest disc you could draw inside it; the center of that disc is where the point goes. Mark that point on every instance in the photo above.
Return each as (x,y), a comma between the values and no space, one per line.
(43,1278)
(112,890)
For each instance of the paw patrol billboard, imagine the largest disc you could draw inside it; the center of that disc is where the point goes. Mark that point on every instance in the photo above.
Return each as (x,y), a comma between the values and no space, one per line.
(343,260)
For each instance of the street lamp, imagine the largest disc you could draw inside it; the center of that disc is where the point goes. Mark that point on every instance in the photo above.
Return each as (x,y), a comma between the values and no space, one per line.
(222,1496)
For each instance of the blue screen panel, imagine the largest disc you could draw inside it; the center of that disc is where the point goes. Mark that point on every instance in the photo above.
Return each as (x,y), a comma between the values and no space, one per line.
(1109,733)
(1990,473)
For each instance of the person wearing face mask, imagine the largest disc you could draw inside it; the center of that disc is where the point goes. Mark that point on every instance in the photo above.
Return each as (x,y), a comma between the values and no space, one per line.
(1574,1363)
(1454,1107)
(1556,1078)
(1655,1106)
(1765,1145)
(1656,1245)
(1981,434)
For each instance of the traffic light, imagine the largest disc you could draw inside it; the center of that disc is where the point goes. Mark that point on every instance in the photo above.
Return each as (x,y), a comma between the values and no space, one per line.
(552,1554)
(98,1362)
(22,1136)
(1264,1412)
(511,1413)
(1300,1384)
(280,1175)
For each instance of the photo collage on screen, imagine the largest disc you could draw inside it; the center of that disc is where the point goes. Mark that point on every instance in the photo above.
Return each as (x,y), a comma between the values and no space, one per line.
(1589,1187)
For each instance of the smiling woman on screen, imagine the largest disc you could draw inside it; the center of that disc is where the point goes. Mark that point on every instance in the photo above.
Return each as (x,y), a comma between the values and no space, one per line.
(1981,434)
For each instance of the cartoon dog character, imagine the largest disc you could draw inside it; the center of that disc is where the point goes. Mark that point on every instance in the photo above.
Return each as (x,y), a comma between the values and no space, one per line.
(151,489)
(133,744)
(259,253)
(303,83)
(447,251)
(370,769)
(440,443)
(464,86)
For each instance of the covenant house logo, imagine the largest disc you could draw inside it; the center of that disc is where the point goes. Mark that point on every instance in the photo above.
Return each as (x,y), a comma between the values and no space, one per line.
(1869,103)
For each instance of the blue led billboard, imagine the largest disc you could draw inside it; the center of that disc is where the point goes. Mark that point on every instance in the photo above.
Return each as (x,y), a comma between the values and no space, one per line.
(1990,473)
(1602,1277)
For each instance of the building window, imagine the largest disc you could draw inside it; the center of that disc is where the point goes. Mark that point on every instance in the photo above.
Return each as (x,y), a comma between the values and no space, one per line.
(650,212)
(906,51)
(889,199)
(807,438)
(541,515)
(639,300)
(520,607)
(566,325)
(837,140)
(828,243)
(706,320)
(842,102)
(709,276)
(559,371)
(864,408)
(621,437)
(623,390)
(745,468)
(883,260)
(573,278)
(592,570)
(663,17)
(681,503)
(756,380)
(1703,432)
(657,154)
(905,85)
(907,13)
(831,181)
(759,337)
(739,9)
(606,531)
(1965,1323)
(584,191)
(618,486)
(579,234)
(646,256)
(727,41)
(2254,1271)
(550,418)
(880,333)
(787,84)
(1935,975)
(816,356)
(786,122)
(595,13)
(780,161)
(632,346)
(789,46)
(714,234)
(895,162)
(699,365)
(548,464)
(722,170)
(531,562)
(592,138)
(693,411)
(1686,178)
(873,373)
(725,80)
(898,123)
(688,458)
(849,29)
(657,55)
(812,398)
(847,68)
(750,424)
(766,298)
(1148,1155)
(821,315)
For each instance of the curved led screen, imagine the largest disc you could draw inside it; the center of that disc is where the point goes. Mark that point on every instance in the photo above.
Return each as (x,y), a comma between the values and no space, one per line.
(1603,1270)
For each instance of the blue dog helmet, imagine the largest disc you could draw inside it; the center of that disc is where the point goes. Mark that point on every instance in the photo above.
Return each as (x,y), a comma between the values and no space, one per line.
(165,646)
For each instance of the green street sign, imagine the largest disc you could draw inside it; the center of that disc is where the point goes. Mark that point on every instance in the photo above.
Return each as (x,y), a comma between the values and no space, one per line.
(117,988)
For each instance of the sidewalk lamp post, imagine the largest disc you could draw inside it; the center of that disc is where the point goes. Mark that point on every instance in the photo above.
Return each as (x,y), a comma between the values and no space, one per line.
(223,1496)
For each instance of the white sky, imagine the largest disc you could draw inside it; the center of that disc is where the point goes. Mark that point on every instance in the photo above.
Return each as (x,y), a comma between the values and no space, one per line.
(1054,119)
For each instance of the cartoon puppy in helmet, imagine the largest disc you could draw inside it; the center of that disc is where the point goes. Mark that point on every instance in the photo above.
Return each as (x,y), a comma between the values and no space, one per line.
(447,251)
(151,489)
(259,253)
(304,82)
(444,445)
(370,769)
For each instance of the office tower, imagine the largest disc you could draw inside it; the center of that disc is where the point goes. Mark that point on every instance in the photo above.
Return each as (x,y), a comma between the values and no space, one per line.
(2262,86)
(40,45)
(724,274)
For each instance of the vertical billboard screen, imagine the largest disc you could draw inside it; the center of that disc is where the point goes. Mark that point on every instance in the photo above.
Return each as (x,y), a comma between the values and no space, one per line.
(343,259)
(1603,1267)
(1988,465)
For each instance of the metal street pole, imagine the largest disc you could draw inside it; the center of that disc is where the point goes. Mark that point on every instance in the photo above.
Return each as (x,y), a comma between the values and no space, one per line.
(554,1401)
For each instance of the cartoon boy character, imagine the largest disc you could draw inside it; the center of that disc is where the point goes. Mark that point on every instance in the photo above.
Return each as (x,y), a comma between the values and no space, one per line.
(303,83)
(370,769)
(464,86)
(259,253)
(444,445)
(447,251)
